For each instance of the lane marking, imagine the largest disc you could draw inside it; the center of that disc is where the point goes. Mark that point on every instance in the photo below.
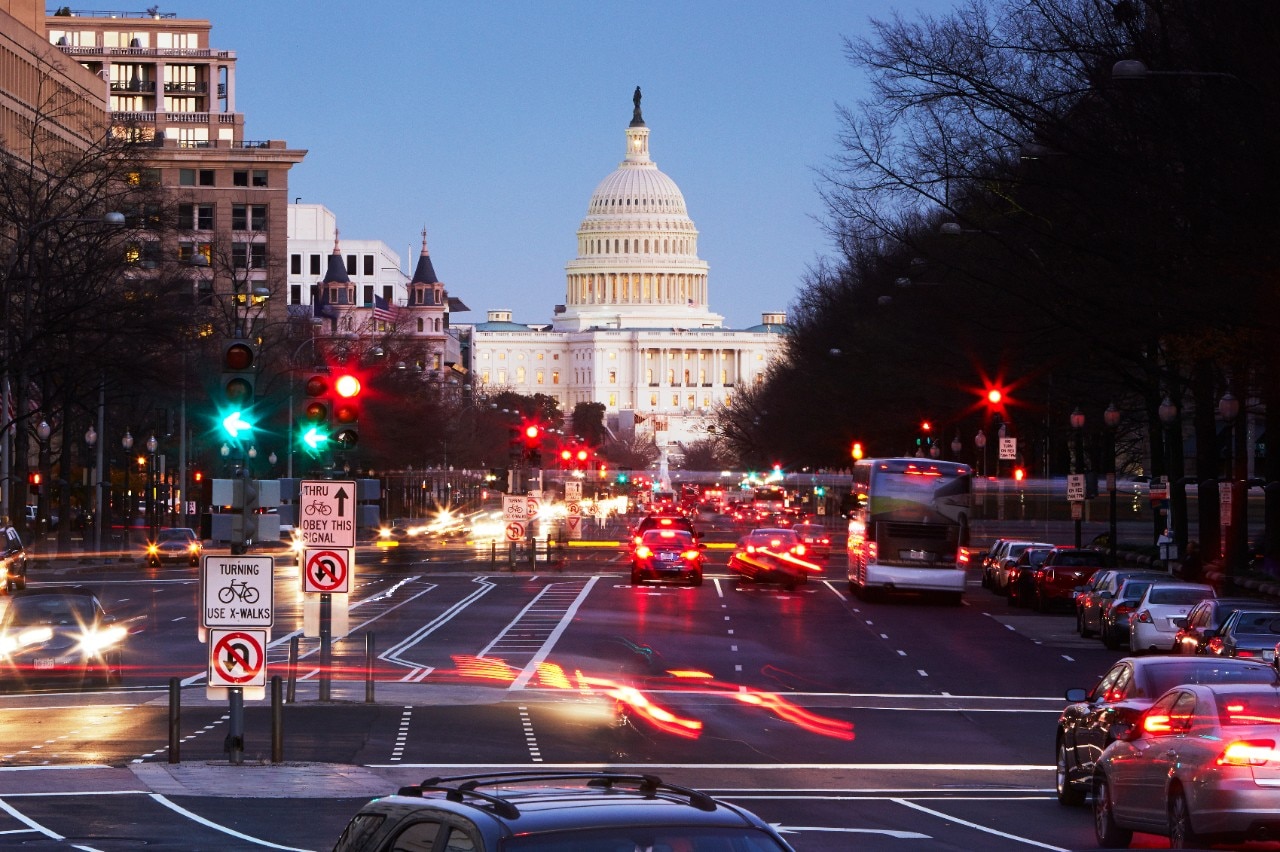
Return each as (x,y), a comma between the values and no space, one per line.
(975,826)
(181,811)
(542,653)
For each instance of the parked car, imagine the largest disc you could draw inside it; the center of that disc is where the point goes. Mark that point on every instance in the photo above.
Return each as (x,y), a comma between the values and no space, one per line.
(815,538)
(1127,689)
(1021,575)
(987,558)
(1155,621)
(1010,554)
(175,544)
(1089,606)
(1199,766)
(59,633)
(1116,610)
(771,555)
(1061,573)
(554,812)
(667,555)
(1204,620)
(1249,634)
(13,562)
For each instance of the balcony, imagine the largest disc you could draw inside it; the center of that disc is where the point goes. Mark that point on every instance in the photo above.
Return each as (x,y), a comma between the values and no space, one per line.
(148,86)
(186,88)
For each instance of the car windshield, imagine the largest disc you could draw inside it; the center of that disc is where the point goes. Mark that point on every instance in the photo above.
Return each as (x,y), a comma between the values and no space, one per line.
(182,535)
(1177,597)
(1258,622)
(1166,675)
(49,609)
(645,839)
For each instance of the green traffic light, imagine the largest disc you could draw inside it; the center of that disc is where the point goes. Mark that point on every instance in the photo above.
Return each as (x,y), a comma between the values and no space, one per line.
(234,423)
(314,438)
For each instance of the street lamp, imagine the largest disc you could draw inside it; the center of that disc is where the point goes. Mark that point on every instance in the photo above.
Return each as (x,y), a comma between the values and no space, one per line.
(1111,417)
(1077,463)
(1177,521)
(1236,540)
(127,443)
(980,441)
(152,509)
(43,431)
(95,501)
(956,446)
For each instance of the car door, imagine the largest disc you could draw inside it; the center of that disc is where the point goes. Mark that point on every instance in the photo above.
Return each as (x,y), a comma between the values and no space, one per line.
(1099,714)
(1138,768)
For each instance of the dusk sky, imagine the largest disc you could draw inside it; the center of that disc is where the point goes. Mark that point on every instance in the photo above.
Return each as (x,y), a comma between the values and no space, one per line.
(491,123)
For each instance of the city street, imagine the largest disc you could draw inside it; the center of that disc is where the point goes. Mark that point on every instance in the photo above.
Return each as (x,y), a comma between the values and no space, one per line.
(906,723)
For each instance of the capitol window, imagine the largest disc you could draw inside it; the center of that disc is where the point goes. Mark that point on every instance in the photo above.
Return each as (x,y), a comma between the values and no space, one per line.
(520,375)
(540,377)
(555,377)
(613,377)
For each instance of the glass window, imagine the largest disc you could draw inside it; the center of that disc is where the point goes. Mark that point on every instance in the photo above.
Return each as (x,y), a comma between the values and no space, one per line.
(186,177)
(207,177)
(351,264)
(295,264)
(239,217)
(315,264)
(240,178)
(416,837)
(260,177)
(368,264)
(368,294)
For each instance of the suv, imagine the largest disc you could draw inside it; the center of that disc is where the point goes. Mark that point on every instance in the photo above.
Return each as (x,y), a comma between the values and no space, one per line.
(1061,573)
(13,562)
(554,812)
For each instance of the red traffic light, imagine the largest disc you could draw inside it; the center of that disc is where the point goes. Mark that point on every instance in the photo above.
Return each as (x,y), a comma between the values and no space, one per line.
(533,432)
(347,386)
(1019,474)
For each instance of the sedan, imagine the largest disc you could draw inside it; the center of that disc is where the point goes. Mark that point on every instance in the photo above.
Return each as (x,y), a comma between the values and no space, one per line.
(59,633)
(1021,575)
(1204,621)
(1201,765)
(1009,555)
(1249,634)
(1155,621)
(773,555)
(1127,689)
(667,555)
(175,544)
(815,538)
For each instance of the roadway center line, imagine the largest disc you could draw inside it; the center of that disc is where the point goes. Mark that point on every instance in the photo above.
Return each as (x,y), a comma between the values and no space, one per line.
(542,653)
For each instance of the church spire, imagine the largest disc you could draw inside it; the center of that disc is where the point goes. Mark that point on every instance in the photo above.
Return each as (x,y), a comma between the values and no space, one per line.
(337,271)
(425,273)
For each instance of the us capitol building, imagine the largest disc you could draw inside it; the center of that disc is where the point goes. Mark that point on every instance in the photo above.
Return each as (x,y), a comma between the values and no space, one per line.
(636,331)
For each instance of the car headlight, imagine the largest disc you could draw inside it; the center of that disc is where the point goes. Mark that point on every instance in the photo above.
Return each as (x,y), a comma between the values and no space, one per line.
(97,641)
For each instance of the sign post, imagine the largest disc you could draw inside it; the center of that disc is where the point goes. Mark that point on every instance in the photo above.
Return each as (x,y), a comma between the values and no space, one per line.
(327,519)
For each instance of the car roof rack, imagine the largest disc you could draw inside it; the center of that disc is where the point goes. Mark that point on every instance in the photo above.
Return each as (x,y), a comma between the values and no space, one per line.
(458,787)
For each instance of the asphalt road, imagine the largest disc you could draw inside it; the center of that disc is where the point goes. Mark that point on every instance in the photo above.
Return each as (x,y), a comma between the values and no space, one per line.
(902,725)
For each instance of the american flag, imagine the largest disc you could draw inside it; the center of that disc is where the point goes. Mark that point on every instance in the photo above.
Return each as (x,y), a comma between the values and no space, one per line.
(383,311)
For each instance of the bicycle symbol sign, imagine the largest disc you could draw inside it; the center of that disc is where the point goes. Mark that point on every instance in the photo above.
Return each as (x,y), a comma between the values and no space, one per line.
(236,591)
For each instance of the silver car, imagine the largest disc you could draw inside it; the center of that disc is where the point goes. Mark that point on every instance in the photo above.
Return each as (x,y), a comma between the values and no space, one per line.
(1199,766)
(1249,634)
(1009,555)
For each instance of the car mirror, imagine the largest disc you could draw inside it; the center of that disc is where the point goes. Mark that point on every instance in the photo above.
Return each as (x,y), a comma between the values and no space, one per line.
(1077,695)
(1125,731)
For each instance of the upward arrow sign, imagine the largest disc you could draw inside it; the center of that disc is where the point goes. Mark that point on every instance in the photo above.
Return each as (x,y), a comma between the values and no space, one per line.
(342,497)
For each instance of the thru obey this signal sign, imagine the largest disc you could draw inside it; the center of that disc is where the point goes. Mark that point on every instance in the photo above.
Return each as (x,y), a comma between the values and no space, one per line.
(237,658)
(326,570)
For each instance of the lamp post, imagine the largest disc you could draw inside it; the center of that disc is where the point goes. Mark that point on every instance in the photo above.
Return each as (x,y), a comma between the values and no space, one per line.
(127,443)
(90,441)
(980,442)
(43,431)
(956,446)
(1111,417)
(153,531)
(1235,517)
(1177,521)
(1077,464)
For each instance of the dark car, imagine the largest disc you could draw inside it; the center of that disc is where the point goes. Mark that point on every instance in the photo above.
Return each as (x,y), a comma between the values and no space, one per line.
(815,538)
(1116,611)
(1021,575)
(59,634)
(1204,621)
(662,522)
(1127,689)
(1091,604)
(1061,572)
(667,555)
(13,562)
(555,812)
(1248,633)
(175,544)
(773,556)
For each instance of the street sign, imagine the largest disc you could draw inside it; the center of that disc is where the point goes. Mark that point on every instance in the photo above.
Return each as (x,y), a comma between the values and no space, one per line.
(327,512)
(514,507)
(1075,487)
(327,570)
(573,507)
(1008,449)
(573,523)
(237,658)
(515,530)
(1224,503)
(534,501)
(572,491)
(236,591)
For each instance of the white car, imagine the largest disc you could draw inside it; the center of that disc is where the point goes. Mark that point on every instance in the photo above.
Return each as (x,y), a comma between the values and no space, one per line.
(1008,556)
(1154,623)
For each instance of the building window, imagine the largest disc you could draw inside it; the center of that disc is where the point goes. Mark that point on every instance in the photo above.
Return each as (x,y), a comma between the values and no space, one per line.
(315,264)
(259,177)
(368,264)
(195,217)
(613,377)
(295,264)
(421,326)
(295,294)
(484,377)
(675,400)
(248,217)
(653,400)
(502,356)
(250,255)
(186,177)
(691,402)
(502,377)
(368,295)
(648,376)
(351,264)
(519,375)
(540,377)
(671,377)
(240,178)
(206,177)
(555,377)
(613,400)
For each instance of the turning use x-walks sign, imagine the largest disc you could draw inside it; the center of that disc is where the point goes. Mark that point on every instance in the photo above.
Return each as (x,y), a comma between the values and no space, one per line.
(327,570)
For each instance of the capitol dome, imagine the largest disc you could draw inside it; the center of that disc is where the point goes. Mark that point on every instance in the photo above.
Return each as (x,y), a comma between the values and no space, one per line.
(637,263)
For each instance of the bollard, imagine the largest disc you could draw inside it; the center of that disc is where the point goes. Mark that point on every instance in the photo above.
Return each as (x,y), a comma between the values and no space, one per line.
(293,670)
(234,744)
(277,720)
(175,719)
(368,668)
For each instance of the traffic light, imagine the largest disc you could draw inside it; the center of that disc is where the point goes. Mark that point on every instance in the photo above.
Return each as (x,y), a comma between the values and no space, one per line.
(581,459)
(33,480)
(346,413)
(819,491)
(239,366)
(856,451)
(622,477)
(1019,474)
(566,458)
(531,433)
(314,422)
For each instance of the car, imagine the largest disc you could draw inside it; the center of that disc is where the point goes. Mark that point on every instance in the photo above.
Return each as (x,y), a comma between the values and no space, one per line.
(1123,693)
(1090,604)
(1249,634)
(816,539)
(1063,571)
(1009,555)
(1020,577)
(13,562)
(555,812)
(59,633)
(1200,766)
(1116,610)
(773,555)
(175,544)
(671,555)
(1204,620)
(662,521)
(987,560)
(1154,622)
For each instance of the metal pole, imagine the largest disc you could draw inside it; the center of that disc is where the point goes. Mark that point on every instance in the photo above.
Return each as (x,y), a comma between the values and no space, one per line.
(326,642)
(293,669)
(368,668)
(175,720)
(100,505)
(277,721)
(1111,496)
(235,739)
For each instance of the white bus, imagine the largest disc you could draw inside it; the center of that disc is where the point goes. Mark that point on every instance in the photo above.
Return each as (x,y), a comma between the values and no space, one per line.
(909,528)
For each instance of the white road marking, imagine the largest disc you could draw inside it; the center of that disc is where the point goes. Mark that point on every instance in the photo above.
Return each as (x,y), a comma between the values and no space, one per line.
(975,826)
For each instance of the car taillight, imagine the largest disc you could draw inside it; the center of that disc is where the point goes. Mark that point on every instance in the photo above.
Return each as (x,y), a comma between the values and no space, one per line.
(689,554)
(1144,617)
(643,552)
(1157,723)
(1122,609)
(799,550)
(872,550)
(1248,753)
(1245,652)
(964,556)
